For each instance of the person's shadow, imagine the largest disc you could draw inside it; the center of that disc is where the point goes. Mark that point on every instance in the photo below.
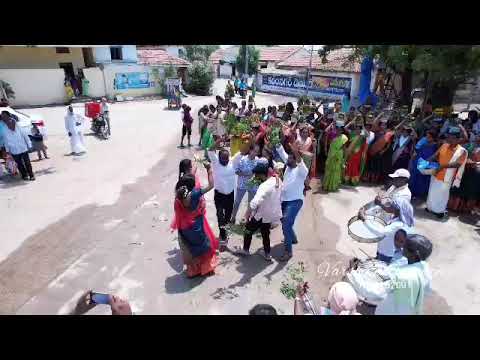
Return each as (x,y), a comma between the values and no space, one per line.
(254,264)
(179,283)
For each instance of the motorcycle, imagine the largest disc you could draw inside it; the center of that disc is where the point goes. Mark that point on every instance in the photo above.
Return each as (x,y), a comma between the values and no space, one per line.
(100,127)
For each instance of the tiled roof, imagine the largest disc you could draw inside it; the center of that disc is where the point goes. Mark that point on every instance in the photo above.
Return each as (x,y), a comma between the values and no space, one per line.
(337,60)
(229,55)
(277,53)
(155,56)
(217,55)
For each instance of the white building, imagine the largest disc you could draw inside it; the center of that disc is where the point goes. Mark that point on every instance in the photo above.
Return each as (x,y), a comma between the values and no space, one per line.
(37,73)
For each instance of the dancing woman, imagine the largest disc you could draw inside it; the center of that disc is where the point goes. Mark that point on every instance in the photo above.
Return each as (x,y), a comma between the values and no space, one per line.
(356,156)
(335,161)
(197,241)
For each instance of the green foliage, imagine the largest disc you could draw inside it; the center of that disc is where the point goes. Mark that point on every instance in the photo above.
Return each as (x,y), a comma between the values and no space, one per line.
(444,66)
(200,78)
(253,58)
(230,122)
(10,94)
(170,71)
(294,278)
(241,128)
(274,137)
(303,100)
(254,182)
(199,52)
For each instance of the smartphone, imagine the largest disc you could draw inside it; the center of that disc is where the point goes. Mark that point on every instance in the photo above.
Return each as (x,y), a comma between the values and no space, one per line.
(98,298)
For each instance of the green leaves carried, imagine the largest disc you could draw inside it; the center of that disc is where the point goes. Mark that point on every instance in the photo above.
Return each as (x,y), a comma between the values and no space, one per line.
(295,277)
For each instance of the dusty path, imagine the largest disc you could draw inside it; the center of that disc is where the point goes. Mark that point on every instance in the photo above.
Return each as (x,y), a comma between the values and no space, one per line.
(108,230)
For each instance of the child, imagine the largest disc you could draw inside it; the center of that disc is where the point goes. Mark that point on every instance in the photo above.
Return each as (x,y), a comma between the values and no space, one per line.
(399,241)
(37,142)
(11,165)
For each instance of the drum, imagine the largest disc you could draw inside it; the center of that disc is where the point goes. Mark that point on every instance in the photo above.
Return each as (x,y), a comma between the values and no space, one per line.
(368,231)
(367,278)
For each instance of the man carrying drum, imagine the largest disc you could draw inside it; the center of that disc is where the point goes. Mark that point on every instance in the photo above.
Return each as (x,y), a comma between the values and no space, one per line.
(382,205)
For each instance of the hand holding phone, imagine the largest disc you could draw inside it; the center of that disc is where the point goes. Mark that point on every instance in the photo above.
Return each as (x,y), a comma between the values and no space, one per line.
(99,298)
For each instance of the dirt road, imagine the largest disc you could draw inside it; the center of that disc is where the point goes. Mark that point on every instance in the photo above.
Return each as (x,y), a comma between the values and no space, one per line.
(101,222)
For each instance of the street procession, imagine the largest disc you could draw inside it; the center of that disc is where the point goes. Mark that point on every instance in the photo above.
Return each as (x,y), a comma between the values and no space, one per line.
(249,190)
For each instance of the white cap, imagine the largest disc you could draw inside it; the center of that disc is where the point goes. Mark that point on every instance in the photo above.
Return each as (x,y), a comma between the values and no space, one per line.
(400,173)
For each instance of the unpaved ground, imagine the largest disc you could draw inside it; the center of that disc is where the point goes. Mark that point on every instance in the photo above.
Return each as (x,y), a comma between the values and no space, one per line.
(101,222)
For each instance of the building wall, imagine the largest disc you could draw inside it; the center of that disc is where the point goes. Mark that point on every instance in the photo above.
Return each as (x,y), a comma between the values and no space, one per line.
(35,86)
(110,72)
(16,57)
(226,71)
(96,86)
(102,55)
(174,50)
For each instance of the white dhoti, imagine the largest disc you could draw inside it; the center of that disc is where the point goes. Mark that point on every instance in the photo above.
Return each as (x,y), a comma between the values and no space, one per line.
(77,143)
(74,125)
(438,195)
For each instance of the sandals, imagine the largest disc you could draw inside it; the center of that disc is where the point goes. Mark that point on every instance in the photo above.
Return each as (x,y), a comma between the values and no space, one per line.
(266,256)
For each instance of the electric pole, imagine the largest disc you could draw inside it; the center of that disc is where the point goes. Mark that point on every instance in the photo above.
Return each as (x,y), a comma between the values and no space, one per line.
(308,71)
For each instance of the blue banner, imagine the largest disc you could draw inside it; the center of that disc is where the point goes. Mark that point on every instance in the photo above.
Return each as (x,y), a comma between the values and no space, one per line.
(318,85)
(133,80)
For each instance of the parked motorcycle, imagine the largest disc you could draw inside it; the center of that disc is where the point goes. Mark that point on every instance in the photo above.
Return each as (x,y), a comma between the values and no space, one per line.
(100,127)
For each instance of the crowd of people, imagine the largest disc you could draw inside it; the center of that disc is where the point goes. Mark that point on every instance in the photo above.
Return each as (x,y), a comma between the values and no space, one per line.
(271,154)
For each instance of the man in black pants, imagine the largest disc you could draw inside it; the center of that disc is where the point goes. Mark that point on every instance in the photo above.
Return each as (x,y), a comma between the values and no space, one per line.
(18,144)
(264,210)
(224,183)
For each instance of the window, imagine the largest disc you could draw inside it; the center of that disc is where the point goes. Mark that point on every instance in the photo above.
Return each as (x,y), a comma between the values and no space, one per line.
(181,53)
(62,50)
(116,53)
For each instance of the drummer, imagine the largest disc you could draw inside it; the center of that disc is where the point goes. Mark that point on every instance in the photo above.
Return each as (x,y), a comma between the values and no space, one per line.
(402,218)
(409,283)
(398,189)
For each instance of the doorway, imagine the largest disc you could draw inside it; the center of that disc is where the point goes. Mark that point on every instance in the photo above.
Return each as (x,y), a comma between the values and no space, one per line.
(68,69)
(233,70)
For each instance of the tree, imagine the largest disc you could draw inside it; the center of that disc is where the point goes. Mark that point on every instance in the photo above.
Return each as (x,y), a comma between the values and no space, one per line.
(199,52)
(6,90)
(200,78)
(253,57)
(443,67)
(168,72)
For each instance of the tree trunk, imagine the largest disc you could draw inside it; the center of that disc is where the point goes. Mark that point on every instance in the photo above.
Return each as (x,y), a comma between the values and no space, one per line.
(406,76)
(442,94)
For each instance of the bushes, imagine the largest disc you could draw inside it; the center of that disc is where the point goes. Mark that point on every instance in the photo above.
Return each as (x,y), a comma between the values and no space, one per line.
(200,78)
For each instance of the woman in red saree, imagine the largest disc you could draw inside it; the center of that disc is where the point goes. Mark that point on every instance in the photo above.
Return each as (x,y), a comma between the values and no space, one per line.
(197,241)
(379,161)
(356,155)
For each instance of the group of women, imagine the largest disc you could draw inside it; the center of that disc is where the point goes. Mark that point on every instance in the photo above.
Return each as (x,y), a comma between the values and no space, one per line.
(356,147)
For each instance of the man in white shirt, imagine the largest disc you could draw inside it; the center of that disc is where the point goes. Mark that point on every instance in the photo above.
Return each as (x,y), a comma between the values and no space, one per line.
(17,143)
(264,209)
(398,189)
(74,125)
(224,184)
(292,195)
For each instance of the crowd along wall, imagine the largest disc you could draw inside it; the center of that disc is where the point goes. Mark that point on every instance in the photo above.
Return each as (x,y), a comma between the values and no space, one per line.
(35,86)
